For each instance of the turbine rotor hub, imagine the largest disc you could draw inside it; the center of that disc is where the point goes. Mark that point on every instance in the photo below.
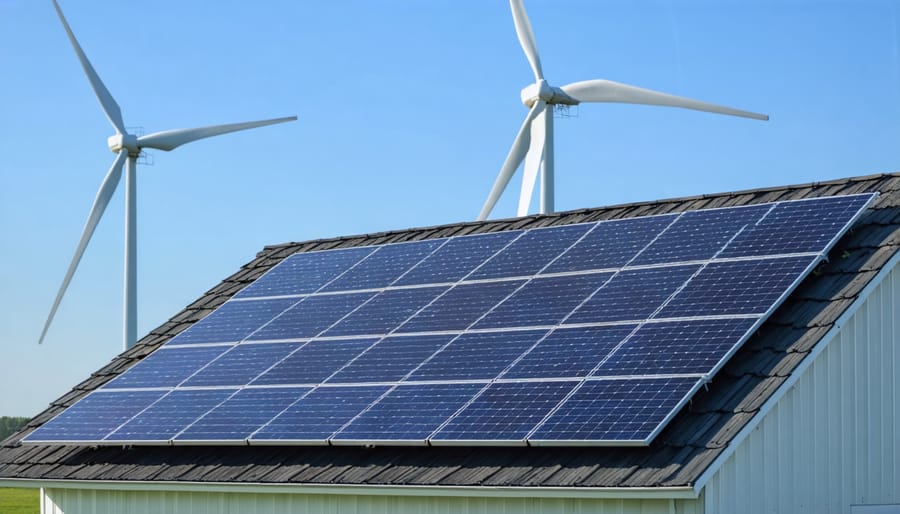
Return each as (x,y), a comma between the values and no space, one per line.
(120,142)
(541,90)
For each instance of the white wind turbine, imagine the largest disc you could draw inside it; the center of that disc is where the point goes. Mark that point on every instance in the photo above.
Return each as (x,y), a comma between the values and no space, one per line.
(127,148)
(534,142)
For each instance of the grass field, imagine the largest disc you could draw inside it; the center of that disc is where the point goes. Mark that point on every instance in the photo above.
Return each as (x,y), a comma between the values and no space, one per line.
(20,501)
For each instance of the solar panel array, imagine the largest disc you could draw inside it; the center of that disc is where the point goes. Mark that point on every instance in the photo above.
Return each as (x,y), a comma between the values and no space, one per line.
(593,333)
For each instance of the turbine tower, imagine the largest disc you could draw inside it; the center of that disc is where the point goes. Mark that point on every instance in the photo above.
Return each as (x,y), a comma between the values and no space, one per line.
(127,148)
(534,142)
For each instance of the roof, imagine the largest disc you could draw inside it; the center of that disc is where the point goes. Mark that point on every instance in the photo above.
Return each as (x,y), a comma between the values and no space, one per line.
(677,457)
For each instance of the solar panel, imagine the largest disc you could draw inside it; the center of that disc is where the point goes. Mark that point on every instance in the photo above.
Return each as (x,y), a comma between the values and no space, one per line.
(585,334)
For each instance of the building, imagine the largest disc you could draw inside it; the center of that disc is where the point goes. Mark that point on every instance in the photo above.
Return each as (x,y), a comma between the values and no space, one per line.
(805,417)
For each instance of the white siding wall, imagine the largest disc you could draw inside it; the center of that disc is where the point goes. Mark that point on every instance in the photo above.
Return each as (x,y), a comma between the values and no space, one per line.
(83,501)
(834,439)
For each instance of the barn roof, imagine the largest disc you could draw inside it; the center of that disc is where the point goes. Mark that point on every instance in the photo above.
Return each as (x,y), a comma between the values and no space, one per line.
(677,457)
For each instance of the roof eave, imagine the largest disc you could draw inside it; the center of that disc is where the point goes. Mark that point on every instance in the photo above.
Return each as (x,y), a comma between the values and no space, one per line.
(620,493)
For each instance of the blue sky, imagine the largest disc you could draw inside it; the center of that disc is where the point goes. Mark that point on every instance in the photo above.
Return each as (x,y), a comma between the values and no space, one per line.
(406,111)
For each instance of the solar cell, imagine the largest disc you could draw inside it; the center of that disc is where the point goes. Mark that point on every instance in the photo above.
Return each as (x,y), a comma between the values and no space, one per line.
(632,294)
(477,356)
(591,333)
(314,362)
(615,410)
(457,258)
(304,273)
(167,367)
(242,414)
(543,301)
(319,414)
(505,411)
(233,321)
(531,252)
(311,315)
(693,346)
(800,226)
(460,306)
(391,359)
(383,266)
(385,312)
(95,416)
(408,413)
(611,244)
(170,415)
(569,352)
(700,235)
(737,287)
(241,364)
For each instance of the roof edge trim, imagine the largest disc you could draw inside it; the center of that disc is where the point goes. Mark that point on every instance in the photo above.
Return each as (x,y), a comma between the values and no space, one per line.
(839,323)
(366,490)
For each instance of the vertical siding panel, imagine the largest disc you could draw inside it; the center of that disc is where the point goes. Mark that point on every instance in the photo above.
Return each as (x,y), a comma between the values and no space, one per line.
(834,438)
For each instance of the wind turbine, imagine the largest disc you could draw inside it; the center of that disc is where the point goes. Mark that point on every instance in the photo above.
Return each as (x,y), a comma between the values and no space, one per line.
(534,142)
(127,148)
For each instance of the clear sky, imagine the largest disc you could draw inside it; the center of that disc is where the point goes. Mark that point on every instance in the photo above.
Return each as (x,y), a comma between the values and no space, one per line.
(406,111)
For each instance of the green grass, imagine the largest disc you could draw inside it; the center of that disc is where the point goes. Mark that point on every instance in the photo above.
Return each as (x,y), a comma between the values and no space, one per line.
(20,501)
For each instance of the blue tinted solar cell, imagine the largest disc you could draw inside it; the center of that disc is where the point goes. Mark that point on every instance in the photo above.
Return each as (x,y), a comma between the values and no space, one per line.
(611,244)
(233,321)
(460,306)
(543,301)
(386,311)
(409,413)
(170,415)
(167,367)
(632,294)
(615,410)
(314,362)
(242,414)
(242,364)
(531,252)
(699,235)
(801,226)
(457,258)
(320,414)
(304,273)
(477,356)
(95,416)
(391,359)
(740,287)
(311,316)
(384,266)
(676,347)
(569,352)
(506,411)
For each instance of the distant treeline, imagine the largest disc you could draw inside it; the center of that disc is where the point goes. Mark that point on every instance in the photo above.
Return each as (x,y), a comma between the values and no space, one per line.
(8,425)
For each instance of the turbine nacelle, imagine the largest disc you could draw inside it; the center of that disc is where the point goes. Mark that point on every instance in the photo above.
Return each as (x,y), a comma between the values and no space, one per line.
(120,142)
(541,90)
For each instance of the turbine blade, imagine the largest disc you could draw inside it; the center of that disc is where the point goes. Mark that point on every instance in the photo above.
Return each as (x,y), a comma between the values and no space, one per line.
(526,37)
(109,105)
(107,188)
(614,92)
(513,159)
(533,160)
(172,139)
